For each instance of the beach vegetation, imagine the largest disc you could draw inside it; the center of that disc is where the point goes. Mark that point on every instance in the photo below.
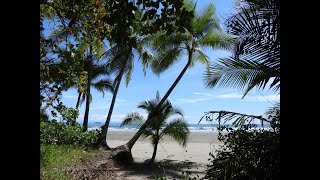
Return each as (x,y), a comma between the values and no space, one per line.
(248,153)
(204,32)
(159,126)
(59,133)
(55,159)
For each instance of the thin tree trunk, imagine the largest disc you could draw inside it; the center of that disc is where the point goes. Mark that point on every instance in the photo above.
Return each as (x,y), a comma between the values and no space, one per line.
(138,134)
(86,113)
(78,101)
(105,127)
(154,151)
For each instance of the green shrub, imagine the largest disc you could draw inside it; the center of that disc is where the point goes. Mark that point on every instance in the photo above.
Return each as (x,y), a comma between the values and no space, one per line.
(253,154)
(52,132)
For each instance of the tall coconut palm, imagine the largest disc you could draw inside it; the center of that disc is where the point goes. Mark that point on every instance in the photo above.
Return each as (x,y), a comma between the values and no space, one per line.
(204,32)
(159,127)
(98,79)
(121,61)
(256,59)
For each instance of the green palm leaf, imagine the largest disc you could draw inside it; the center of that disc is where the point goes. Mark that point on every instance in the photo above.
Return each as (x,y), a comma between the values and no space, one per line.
(178,130)
(217,40)
(240,74)
(103,85)
(132,118)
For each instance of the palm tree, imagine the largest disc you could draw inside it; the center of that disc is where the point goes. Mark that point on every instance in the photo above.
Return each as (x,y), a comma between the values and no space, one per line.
(204,32)
(92,64)
(256,59)
(96,79)
(158,127)
(121,61)
(98,82)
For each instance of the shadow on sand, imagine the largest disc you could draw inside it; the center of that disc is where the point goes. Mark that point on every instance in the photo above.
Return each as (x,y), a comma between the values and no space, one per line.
(165,168)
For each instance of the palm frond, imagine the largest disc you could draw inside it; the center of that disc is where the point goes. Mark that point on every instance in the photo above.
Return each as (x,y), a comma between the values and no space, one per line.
(146,105)
(175,110)
(217,40)
(145,55)
(190,5)
(178,130)
(164,60)
(100,73)
(132,118)
(129,68)
(103,85)
(162,42)
(199,56)
(257,25)
(239,74)
(148,132)
(273,109)
(206,21)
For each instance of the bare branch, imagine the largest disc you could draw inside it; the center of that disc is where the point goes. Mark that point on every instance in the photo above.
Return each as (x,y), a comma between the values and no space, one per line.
(222,114)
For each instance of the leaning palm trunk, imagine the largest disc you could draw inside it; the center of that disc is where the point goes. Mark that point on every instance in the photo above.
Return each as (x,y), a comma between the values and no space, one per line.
(103,135)
(86,114)
(144,125)
(123,153)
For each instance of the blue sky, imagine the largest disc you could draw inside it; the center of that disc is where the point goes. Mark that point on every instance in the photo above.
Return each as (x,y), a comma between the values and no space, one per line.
(190,94)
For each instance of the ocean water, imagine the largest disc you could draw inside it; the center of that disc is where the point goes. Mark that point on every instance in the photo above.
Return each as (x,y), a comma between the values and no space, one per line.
(113,126)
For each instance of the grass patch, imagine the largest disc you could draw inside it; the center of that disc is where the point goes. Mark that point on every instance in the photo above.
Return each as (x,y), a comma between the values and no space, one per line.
(54,158)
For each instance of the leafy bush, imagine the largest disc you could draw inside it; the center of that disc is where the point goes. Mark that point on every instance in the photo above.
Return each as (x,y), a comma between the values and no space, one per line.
(53,132)
(246,154)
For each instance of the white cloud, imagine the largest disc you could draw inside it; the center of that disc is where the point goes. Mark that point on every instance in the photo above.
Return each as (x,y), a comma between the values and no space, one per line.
(206,94)
(263,98)
(273,97)
(193,100)
(231,95)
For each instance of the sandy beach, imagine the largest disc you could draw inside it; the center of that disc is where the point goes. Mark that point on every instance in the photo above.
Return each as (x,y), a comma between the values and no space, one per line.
(194,157)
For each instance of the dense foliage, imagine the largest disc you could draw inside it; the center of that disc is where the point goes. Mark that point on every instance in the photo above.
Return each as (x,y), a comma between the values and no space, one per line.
(256,55)
(66,132)
(246,154)
(59,133)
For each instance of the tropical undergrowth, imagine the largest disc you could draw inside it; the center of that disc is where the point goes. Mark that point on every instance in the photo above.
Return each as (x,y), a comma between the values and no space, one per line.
(248,152)
(63,145)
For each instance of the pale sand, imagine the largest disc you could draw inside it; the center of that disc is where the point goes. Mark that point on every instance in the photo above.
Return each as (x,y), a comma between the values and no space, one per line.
(196,153)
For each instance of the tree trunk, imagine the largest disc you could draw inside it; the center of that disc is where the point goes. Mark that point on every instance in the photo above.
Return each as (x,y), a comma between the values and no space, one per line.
(78,101)
(86,113)
(154,151)
(138,134)
(104,132)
